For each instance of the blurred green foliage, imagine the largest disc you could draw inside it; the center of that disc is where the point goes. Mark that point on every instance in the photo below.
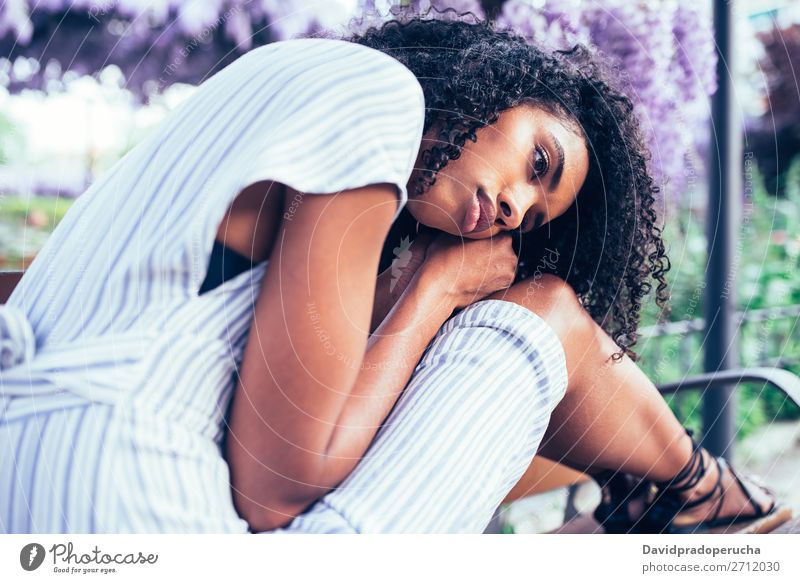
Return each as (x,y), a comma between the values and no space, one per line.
(25,225)
(766,271)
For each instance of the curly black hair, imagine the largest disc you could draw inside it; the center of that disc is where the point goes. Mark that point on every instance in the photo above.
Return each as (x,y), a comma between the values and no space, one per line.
(609,238)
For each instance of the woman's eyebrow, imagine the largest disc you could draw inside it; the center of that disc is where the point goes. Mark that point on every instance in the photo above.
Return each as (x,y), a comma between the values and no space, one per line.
(560,167)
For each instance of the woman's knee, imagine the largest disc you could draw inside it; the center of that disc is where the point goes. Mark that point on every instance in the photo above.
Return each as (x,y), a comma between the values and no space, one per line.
(493,339)
(555,301)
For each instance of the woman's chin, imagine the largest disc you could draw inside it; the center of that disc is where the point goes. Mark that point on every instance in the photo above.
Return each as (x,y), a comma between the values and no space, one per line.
(485,234)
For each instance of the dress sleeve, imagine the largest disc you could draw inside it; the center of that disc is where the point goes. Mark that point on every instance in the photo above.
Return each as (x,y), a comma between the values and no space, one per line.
(348,116)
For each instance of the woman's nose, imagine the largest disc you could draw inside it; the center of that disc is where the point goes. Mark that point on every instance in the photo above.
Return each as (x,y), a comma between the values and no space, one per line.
(511,210)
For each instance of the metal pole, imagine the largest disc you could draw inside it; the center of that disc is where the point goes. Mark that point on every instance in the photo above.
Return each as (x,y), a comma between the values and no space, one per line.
(724,202)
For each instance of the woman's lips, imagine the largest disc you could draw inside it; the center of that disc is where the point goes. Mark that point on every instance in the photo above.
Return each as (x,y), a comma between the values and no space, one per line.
(471,217)
(480,215)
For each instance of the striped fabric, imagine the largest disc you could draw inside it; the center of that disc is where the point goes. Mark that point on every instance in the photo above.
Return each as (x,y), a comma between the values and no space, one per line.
(116,374)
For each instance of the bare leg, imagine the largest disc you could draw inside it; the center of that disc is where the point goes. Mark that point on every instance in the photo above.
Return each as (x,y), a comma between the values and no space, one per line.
(612,416)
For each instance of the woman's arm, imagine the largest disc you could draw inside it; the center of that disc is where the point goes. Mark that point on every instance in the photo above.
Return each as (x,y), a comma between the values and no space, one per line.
(305,409)
(453,274)
(314,305)
(394,280)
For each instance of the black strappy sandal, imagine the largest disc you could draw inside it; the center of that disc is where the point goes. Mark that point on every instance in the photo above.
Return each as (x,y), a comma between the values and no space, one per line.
(661,502)
(665,507)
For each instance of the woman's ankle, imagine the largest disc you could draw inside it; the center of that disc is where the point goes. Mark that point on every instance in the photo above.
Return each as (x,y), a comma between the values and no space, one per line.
(680,455)
(696,478)
(705,482)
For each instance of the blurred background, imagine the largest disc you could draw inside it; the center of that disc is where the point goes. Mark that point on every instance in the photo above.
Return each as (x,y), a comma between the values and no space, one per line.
(83,81)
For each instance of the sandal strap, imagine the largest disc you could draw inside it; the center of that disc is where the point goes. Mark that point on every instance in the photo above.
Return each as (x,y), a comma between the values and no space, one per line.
(746,490)
(686,505)
(708,495)
(694,470)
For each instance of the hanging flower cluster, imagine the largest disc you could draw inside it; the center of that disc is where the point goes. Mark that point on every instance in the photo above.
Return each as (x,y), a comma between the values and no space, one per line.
(665,56)
(662,49)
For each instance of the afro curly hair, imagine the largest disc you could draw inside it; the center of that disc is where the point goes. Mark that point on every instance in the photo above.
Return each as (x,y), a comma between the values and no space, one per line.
(470,72)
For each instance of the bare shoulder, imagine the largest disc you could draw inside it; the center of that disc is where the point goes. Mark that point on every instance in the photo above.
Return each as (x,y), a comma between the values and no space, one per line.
(368,208)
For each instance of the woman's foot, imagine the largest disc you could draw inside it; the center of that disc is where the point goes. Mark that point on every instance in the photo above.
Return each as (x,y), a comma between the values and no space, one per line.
(729,500)
(705,493)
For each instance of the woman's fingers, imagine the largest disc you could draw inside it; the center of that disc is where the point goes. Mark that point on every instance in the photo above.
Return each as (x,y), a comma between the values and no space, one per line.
(473,268)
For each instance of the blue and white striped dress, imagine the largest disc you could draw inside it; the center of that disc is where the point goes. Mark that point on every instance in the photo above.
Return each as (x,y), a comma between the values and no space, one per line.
(115,374)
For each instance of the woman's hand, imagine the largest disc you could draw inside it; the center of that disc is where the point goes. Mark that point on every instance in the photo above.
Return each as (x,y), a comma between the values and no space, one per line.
(408,258)
(471,269)
(465,270)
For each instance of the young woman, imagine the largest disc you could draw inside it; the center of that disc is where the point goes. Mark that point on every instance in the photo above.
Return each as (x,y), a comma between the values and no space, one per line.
(202,345)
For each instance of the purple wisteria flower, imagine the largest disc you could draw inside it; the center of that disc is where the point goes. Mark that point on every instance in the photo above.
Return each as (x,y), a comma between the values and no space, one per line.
(664,53)
(663,50)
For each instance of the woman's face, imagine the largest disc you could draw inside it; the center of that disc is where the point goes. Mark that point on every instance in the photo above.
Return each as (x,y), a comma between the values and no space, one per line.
(524,170)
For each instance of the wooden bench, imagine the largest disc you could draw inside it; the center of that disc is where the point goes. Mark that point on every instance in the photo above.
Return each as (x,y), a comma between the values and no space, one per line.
(8,281)
(779,522)
(544,475)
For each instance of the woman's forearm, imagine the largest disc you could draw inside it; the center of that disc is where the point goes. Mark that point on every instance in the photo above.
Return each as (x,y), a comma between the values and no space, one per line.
(393,281)
(393,351)
(327,416)
(384,299)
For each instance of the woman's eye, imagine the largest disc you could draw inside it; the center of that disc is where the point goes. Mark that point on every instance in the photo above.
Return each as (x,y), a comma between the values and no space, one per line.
(540,162)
